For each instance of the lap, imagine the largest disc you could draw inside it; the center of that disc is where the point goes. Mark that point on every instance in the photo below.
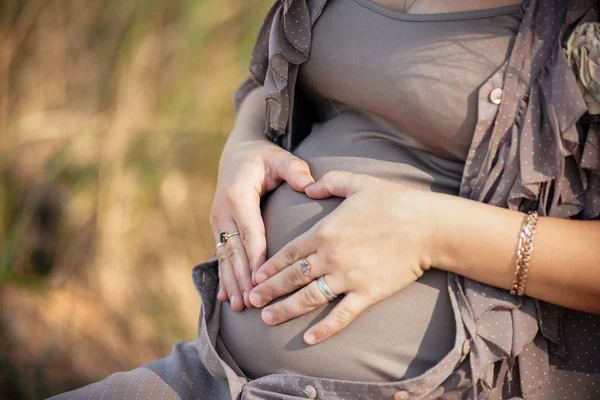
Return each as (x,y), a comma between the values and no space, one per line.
(180,376)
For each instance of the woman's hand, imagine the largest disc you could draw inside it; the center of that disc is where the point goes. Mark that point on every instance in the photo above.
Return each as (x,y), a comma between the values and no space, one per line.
(247,170)
(377,242)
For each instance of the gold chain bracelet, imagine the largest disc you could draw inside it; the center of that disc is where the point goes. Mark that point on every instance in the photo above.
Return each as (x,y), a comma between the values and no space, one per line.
(524,250)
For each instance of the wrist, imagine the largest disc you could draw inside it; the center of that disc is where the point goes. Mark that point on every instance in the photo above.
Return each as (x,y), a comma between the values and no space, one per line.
(430,210)
(467,232)
(455,223)
(243,141)
(441,219)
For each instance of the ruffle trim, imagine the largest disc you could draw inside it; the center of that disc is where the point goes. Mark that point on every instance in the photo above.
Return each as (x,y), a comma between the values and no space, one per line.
(537,155)
(561,180)
(546,159)
(283,43)
(499,330)
(503,329)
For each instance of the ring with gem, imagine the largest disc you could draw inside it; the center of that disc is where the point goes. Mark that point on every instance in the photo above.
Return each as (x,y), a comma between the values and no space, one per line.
(223,237)
(305,268)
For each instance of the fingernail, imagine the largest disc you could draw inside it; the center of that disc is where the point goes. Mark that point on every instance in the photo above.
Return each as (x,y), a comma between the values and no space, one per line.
(261,276)
(256,299)
(220,291)
(245,294)
(232,300)
(310,338)
(268,316)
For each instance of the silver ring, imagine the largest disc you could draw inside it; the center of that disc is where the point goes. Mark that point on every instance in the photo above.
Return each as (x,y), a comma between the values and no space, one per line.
(326,290)
(223,237)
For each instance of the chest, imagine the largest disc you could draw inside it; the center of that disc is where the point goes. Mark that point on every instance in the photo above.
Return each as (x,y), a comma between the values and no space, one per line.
(420,73)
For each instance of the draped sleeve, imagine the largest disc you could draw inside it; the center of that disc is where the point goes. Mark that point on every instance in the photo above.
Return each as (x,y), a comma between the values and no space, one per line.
(282,44)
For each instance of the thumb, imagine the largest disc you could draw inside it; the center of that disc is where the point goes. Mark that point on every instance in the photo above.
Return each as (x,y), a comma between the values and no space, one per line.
(335,183)
(293,170)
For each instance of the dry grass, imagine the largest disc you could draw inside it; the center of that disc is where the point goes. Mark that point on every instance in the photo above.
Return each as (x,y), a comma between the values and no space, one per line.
(112,117)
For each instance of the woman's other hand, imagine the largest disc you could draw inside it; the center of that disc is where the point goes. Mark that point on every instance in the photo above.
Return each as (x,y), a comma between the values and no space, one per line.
(249,168)
(377,242)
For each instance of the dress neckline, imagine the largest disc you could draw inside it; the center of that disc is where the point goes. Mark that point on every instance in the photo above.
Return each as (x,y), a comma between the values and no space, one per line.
(447,16)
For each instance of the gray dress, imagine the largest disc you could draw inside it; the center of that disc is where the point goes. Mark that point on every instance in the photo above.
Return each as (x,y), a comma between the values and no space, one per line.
(446,107)
(402,109)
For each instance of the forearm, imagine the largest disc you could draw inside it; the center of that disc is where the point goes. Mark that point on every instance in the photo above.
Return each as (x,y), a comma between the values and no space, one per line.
(479,241)
(249,124)
(250,118)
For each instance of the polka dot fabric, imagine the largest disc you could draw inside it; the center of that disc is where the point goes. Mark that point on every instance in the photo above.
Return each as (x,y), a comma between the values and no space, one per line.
(532,154)
(283,43)
(532,148)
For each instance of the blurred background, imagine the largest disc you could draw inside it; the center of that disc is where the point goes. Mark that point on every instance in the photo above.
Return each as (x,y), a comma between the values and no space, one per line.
(113,114)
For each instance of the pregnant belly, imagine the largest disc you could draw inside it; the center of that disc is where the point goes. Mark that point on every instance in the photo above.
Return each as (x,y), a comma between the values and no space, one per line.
(400,337)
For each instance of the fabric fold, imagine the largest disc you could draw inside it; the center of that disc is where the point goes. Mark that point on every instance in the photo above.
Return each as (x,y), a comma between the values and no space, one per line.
(285,39)
(535,160)
(532,157)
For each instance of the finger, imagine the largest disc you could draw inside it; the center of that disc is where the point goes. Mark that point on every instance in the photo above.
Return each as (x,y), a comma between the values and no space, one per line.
(335,183)
(229,281)
(295,171)
(303,301)
(284,282)
(222,293)
(236,255)
(302,246)
(346,311)
(247,216)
